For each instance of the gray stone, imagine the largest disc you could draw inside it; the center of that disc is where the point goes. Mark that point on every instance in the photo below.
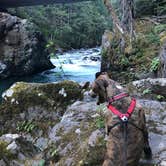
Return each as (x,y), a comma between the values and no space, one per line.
(2,163)
(163,163)
(148,88)
(94,138)
(162,67)
(22,48)
(42,143)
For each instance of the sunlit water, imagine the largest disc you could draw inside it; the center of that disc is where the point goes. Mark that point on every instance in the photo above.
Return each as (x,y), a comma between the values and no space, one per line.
(77,65)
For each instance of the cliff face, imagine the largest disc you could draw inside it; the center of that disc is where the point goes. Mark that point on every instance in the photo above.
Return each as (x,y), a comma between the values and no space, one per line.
(22,48)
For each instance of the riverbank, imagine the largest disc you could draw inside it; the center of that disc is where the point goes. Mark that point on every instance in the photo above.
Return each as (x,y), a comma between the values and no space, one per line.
(77,65)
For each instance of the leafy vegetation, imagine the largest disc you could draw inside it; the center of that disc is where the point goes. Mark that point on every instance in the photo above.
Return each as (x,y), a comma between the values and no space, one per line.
(26,126)
(160,97)
(155,64)
(99,121)
(71,25)
(146,91)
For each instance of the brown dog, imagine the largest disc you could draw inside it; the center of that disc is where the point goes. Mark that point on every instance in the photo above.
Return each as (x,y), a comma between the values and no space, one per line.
(121,152)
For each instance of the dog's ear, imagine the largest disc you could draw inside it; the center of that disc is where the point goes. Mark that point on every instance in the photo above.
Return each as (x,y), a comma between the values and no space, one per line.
(97,74)
(100,73)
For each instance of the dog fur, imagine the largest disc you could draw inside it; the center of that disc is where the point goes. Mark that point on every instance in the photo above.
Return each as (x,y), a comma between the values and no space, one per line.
(137,141)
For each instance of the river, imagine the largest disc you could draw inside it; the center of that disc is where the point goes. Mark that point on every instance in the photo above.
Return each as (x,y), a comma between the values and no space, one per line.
(77,65)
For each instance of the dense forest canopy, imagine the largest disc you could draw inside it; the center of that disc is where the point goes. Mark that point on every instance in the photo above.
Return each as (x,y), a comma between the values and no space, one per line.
(70,25)
(81,24)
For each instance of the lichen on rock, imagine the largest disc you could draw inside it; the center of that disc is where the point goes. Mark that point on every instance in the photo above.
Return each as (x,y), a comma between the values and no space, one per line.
(32,102)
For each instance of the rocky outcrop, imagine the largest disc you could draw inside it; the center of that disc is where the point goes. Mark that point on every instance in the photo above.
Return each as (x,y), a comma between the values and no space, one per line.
(47,129)
(37,102)
(162,57)
(149,88)
(22,47)
(59,124)
(156,120)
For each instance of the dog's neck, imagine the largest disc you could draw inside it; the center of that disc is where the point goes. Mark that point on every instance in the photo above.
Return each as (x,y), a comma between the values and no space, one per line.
(114,89)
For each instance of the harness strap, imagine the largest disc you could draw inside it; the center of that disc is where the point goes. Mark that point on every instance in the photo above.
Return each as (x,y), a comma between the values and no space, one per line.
(122,115)
(131,123)
(142,130)
(125,143)
(117,97)
(124,120)
(111,127)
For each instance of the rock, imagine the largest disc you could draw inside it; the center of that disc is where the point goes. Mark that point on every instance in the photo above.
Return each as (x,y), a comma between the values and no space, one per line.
(30,105)
(149,88)
(22,48)
(163,163)
(42,143)
(93,139)
(78,140)
(2,163)
(13,148)
(155,117)
(161,72)
(93,58)
(70,138)
(16,147)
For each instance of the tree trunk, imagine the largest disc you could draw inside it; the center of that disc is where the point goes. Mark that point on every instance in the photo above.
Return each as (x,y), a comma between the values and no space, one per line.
(116,21)
(127,10)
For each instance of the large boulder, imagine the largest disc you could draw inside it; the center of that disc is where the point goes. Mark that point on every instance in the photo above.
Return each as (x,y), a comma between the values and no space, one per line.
(44,128)
(22,47)
(40,103)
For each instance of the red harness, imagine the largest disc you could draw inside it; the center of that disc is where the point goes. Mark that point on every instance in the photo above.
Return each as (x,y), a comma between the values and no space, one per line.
(123,116)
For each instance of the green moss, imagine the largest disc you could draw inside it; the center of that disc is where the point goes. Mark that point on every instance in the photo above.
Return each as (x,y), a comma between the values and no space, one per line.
(4,153)
(43,95)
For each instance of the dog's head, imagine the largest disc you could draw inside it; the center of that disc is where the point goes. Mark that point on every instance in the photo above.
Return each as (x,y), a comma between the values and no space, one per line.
(99,87)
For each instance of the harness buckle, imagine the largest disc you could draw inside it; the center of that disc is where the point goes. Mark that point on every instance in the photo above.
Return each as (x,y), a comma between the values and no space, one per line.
(124,118)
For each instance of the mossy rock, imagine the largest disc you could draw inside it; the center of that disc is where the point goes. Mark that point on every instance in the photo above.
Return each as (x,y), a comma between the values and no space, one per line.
(80,143)
(4,153)
(23,95)
(41,104)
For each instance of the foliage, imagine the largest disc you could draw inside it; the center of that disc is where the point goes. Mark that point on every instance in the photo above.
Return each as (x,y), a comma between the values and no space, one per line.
(4,152)
(150,7)
(26,126)
(51,47)
(146,91)
(160,97)
(154,64)
(42,162)
(153,38)
(99,121)
(71,25)
(159,28)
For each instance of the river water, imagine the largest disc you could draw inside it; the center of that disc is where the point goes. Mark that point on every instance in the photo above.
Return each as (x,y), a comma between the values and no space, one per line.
(77,65)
